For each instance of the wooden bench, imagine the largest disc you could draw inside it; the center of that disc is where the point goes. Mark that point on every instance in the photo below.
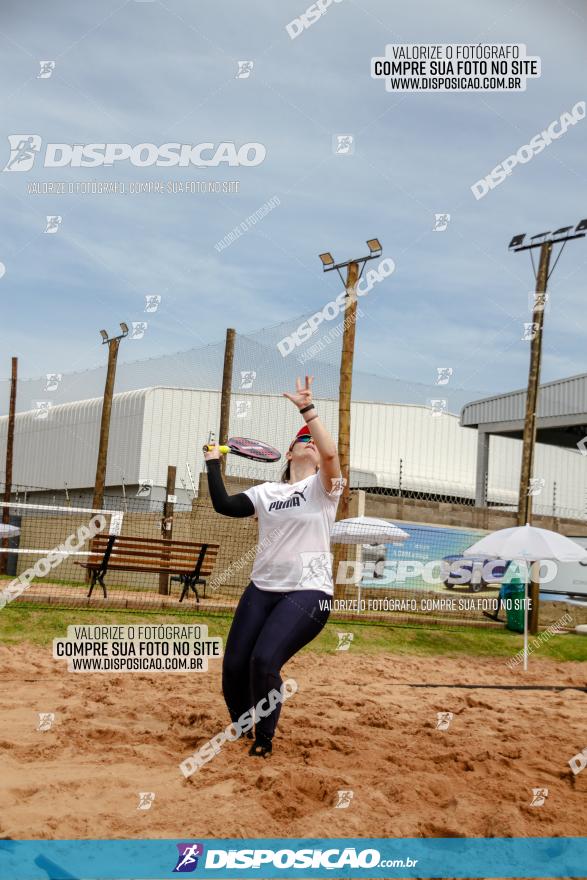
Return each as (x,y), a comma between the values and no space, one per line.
(190,561)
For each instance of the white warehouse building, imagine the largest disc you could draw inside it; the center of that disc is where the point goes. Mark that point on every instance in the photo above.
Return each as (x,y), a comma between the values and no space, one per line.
(394,447)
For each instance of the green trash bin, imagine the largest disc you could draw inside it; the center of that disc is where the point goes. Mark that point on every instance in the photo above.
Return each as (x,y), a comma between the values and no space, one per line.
(514,610)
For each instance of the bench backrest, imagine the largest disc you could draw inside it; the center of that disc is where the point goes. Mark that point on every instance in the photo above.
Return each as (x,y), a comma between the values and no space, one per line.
(154,553)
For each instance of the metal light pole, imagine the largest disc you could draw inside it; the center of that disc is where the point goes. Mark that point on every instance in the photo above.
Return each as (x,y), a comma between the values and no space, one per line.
(544,241)
(113,345)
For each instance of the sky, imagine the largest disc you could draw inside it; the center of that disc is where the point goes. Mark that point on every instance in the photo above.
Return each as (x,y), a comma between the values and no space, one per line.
(166,71)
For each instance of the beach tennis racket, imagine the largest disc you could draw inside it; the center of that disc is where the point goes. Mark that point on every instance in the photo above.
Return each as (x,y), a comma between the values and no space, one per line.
(247,448)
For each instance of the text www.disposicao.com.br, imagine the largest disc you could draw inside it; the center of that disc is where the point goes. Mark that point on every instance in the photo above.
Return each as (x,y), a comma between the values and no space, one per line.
(134,664)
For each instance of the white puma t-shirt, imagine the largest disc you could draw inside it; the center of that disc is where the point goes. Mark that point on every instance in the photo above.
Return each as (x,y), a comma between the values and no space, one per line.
(294,535)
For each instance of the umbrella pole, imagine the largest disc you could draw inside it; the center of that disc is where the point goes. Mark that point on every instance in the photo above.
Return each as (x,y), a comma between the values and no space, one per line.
(526,624)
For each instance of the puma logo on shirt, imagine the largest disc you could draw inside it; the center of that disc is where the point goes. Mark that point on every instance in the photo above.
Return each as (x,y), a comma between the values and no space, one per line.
(294,501)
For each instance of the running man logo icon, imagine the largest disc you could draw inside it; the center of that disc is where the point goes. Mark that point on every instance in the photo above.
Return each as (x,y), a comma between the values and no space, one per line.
(539,795)
(53,223)
(245,68)
(46,720)
(530,331)
(42,408)
(438,406)
(53,380)
(441,222)
(443,720)
(316,568)
(47,68)
(536,485)
(138,329)
(537,301)
(187,861)
(344,641)
(338,484)
(578,762)
(146,798)
(23,151)
(345,797)
(243,408)
(343,144)
(443,375)
(152,302)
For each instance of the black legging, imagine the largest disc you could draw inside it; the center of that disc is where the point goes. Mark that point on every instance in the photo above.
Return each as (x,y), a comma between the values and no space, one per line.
(268,628)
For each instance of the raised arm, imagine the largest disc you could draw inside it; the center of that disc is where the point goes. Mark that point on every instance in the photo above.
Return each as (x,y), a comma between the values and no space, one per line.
(329,464)
(238,505)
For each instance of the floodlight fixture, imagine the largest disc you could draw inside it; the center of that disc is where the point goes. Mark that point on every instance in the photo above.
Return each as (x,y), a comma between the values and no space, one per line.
(327,260)
(328,264)
(560,235)
(517,241)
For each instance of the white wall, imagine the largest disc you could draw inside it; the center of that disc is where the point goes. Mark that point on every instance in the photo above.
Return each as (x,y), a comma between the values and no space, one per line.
(155,427)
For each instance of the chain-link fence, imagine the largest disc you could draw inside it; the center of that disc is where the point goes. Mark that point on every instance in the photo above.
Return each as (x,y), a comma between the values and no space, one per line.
(187,558)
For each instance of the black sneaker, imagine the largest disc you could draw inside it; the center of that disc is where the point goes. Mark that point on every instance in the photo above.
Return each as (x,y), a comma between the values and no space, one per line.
(261,748)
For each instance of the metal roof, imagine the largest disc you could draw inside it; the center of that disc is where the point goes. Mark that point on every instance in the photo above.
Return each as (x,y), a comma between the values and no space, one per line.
(561,415)
(392,446)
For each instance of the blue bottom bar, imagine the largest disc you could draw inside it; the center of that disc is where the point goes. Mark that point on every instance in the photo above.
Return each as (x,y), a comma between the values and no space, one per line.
(284,857)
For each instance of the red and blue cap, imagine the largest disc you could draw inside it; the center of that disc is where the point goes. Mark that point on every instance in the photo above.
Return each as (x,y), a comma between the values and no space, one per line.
(304,432)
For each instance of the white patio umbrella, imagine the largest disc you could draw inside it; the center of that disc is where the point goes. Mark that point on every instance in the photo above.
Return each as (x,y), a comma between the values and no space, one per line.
(7,531)
(366,530)
(527,544)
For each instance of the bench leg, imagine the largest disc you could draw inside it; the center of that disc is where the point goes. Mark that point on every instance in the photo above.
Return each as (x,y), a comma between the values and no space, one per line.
(187,585)
(102,584)
(195,589)
(92,584)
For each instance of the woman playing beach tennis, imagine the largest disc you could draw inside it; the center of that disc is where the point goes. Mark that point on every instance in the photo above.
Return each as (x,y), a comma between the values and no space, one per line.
(283,608)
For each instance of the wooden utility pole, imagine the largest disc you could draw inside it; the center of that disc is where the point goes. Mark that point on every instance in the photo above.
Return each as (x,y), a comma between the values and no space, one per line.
(344,414)
(517,244)
(354,269)
(113,345)
(9,459)
(167,523)
(346,386)
(529,439)
(226,393)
